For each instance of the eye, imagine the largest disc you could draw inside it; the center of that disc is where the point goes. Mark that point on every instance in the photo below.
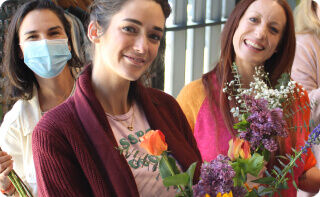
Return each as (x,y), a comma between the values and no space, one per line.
(53,33)
(31,37)
(155,37)
(253,19)
(129,29)
(274,30)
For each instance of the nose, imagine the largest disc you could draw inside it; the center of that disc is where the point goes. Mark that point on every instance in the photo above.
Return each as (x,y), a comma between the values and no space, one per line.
(141,44)
(261,31)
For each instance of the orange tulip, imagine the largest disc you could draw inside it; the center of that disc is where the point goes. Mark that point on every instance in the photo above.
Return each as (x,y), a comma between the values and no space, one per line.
(239,147)
(154,142)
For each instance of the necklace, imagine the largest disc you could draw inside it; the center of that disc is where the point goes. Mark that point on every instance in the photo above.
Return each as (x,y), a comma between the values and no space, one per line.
(130,126)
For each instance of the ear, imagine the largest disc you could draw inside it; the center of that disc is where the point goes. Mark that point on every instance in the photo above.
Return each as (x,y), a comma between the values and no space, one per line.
(93,32)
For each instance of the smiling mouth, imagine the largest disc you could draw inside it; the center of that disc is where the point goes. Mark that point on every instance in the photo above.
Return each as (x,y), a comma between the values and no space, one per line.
(136,60)
(253,45)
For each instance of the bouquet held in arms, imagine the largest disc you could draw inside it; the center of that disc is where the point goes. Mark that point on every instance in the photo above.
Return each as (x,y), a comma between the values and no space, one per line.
(19,185)
(155,144)
(261,113)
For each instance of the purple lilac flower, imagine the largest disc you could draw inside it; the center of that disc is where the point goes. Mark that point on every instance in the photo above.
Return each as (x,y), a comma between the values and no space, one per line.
(216,177)
(313,139)
(265,124)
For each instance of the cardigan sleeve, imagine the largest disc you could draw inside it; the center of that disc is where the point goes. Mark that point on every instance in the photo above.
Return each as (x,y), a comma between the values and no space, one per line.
(56,170)
(190,100)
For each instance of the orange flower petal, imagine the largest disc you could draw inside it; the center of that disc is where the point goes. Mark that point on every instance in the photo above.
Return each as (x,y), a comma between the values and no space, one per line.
(154,142)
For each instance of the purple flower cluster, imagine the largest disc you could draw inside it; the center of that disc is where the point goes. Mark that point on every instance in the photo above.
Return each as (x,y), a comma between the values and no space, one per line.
(313,139)
(265,124)
(216,177)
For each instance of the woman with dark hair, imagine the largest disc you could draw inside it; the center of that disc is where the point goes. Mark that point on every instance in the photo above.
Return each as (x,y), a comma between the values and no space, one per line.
(76,145)
(258,32)
(40,64)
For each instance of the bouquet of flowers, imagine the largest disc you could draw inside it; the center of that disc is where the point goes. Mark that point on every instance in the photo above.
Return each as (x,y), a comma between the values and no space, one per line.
(261,113)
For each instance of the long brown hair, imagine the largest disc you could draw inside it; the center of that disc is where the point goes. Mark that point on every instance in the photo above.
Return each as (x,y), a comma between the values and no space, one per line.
(278,63)
(22,79)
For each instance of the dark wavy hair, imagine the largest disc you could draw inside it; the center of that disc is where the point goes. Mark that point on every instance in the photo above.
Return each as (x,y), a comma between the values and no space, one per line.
(21,78)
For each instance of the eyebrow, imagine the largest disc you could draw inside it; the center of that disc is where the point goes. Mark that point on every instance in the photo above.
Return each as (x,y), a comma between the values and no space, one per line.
(50,29)
(272,22)
(139,23)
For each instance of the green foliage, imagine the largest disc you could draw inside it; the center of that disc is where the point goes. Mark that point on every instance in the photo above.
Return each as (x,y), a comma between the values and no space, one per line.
(242,167)
(179,179)
(165,170)
(172,176)
(283,81)
(243,125)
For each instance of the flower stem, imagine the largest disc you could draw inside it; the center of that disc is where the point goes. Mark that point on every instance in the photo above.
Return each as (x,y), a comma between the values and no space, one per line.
(165,158)
(288,167)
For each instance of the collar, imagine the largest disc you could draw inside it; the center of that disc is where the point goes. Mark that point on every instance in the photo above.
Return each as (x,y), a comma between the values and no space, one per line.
(30,113)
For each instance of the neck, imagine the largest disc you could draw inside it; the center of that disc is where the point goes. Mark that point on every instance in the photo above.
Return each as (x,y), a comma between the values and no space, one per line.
(110,89)
(246,71)
(54,91)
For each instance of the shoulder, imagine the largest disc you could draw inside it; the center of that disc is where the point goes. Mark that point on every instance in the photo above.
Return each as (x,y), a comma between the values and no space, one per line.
(160,98)
(57,119)
(192,94)
(193,89)
(307,40)
(23,111)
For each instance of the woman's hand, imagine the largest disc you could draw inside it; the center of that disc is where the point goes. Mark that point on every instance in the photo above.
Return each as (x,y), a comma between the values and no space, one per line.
(310,180)
(6,165)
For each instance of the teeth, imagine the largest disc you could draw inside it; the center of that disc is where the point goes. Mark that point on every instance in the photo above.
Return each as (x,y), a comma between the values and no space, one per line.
(136,59)
(253,44)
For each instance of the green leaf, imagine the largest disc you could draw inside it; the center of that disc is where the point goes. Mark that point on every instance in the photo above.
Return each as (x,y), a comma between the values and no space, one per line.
(244,166)
(266,154)
(255,164)
(190,172)
(179,179)
(243,125)
(265,180)
(164,170)
(283,81)
(294,184)
(263,191)
(277,169)
(252,194)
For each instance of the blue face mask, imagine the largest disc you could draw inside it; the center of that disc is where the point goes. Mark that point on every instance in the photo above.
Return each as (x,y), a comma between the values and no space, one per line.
(46,58)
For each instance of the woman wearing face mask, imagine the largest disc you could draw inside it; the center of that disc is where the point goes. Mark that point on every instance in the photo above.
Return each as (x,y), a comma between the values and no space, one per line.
(75,145)
(38,61)
(262,33)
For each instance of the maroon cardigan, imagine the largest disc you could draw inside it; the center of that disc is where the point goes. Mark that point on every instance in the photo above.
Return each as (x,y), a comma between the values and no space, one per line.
(74,146)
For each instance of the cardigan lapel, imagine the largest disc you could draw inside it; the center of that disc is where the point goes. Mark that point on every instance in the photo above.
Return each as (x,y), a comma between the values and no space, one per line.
(98,130)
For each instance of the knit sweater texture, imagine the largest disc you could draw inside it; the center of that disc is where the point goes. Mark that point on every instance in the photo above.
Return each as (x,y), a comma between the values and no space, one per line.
(75,150)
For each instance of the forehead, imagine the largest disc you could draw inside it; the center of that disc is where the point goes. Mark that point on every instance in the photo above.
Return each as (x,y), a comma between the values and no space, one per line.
(146,11)
(39,20)
(270,10)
